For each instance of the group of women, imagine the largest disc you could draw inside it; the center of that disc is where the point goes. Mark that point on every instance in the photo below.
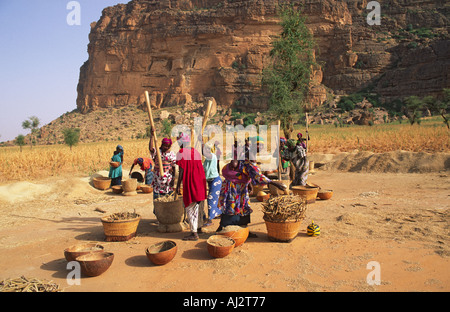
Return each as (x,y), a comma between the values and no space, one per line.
(226,192)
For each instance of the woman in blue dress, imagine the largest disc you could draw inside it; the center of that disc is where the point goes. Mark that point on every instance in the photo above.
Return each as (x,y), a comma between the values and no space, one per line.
(116,173)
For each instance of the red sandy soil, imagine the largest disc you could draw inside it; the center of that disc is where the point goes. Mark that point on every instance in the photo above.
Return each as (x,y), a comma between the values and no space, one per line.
(399,220)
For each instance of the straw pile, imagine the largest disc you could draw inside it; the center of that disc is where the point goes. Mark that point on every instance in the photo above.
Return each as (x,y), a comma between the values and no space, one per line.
(120,216)
(165,199)
(284,208)
(24,284)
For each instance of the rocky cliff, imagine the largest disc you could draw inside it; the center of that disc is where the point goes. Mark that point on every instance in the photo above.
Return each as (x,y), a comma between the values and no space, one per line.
(182,51)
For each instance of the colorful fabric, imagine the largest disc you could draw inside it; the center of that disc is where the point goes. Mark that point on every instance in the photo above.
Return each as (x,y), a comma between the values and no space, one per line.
(214,187)
(144,162)
(162,185)
(234,176)
(234,198)
(194,179)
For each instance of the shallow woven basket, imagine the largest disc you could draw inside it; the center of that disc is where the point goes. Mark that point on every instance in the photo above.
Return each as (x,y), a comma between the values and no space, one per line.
(282,231)
(120,230)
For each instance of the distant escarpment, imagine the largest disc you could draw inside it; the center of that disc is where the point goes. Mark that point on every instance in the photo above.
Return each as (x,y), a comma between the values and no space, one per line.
(183,51)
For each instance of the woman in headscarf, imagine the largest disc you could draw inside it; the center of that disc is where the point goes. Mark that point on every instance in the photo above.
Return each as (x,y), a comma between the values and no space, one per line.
(116,173)
(301,140)
(234,196)
(193,177)
(297,156)
(146,165)
(163,185)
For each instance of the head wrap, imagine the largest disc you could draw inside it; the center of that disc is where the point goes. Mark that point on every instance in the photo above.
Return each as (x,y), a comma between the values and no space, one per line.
(183,138)
(299,135)
(283,140)
(140,161)
(167,141)
(119,148)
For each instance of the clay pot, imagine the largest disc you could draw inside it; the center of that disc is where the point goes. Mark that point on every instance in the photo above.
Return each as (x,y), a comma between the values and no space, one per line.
(325,194)
(147,189)
(95,264)
(76,251)
(237,233)
(220,246)
(162,253)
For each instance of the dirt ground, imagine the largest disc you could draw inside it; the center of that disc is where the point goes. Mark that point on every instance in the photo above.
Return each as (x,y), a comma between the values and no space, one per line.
(399,220)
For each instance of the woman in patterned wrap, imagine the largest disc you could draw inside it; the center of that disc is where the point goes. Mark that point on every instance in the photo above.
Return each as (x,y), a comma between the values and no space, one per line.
(234,196)
(163,185)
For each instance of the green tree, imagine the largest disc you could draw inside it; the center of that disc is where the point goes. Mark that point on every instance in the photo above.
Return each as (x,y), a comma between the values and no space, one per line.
(71,137)
(33,124)
(414,107)
(287,78)
(20,141)
(440,106)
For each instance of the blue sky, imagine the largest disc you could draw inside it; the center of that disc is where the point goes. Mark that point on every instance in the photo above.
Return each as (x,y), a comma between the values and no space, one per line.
(40,59)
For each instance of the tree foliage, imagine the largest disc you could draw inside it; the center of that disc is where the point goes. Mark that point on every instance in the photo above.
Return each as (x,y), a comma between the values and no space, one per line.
(20,141)
(33,124)
(287,78)
(71,137)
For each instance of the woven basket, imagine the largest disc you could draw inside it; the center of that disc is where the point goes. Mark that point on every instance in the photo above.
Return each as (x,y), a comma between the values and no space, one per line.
(282,231)
(169,212)
(120,230)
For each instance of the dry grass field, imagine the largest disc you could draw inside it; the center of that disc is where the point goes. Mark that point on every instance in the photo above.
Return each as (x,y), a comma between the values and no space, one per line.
(53,160)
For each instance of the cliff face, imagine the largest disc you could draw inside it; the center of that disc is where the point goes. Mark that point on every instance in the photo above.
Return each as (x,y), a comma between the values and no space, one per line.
(185,50)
